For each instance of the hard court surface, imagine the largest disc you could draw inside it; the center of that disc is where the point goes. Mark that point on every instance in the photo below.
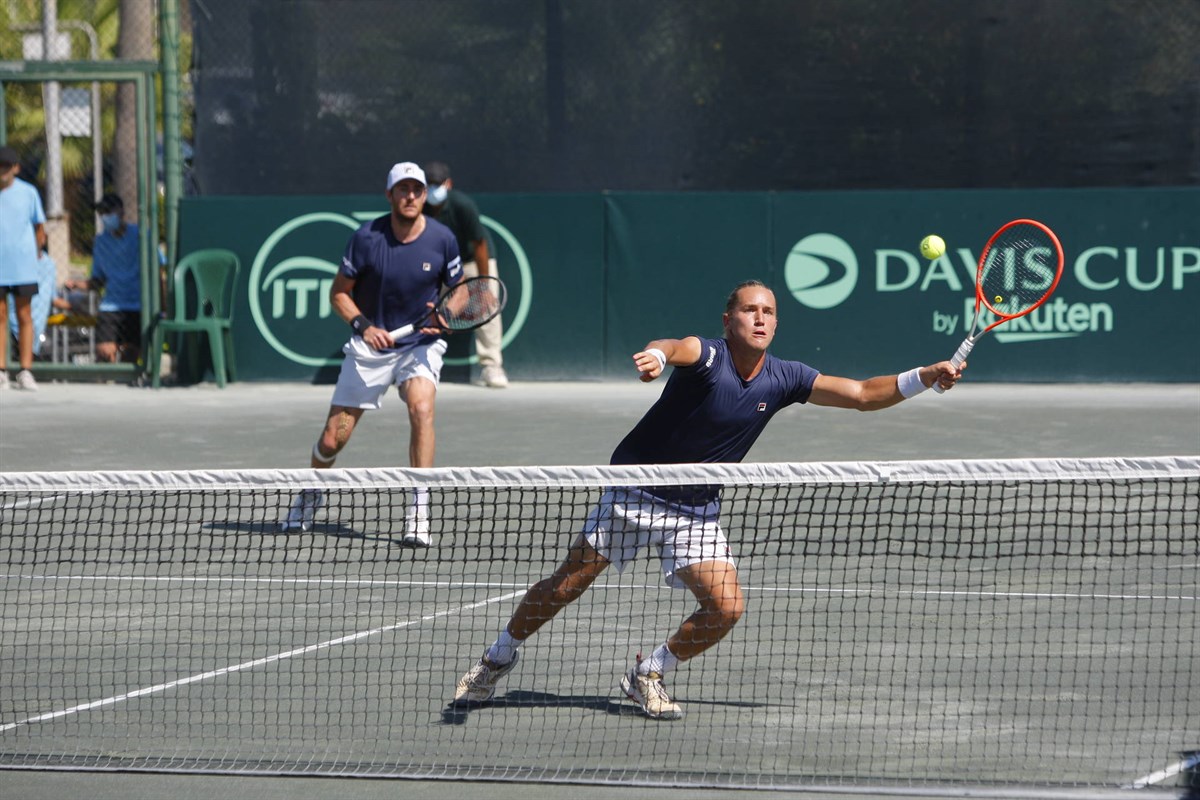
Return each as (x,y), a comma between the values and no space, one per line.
(253,425)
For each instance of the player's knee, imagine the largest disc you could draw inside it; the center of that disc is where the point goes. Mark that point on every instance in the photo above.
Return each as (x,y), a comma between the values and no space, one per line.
(728,615)
(420,411)
(728,609)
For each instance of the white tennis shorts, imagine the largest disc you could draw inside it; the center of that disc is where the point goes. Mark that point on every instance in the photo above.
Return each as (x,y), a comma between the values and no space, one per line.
(625,522)
(368,373)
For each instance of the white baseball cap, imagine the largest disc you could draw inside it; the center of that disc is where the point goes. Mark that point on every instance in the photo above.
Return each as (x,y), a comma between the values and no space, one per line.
(403,171)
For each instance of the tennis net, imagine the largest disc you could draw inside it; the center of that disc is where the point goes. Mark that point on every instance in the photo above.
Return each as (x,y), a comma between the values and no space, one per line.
(908,623)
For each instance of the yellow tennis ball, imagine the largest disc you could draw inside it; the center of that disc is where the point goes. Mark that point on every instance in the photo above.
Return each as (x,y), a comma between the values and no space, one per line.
(932,246)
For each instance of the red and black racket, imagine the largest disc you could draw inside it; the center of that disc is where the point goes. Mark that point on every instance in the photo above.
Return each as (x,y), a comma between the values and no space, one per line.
(1018,270)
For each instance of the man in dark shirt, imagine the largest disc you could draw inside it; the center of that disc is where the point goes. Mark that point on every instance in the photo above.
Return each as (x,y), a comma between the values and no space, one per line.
(718,400)
(391,274)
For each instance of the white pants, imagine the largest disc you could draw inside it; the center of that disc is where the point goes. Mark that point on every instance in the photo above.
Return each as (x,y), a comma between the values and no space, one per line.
(487,337)
(368,373)
(624,522)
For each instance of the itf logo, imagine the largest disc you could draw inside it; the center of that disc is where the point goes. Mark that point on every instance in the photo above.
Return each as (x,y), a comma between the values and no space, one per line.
(289,288)
(821,271)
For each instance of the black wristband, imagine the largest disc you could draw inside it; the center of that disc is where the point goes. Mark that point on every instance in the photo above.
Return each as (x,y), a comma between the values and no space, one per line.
(360,324)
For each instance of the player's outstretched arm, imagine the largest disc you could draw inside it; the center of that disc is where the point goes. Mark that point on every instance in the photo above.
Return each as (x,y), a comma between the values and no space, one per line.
(654,358)
(883,391)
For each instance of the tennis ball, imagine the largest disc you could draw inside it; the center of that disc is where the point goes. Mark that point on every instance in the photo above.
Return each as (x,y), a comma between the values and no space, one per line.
(932,246)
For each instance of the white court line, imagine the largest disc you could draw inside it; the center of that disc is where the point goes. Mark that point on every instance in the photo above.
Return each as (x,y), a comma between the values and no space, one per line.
(162,687)
(267,581)
(1170,772)
(978,593)
(844,590)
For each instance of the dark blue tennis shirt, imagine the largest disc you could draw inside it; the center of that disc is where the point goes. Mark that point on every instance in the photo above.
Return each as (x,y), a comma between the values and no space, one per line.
(395,282)
(707,413)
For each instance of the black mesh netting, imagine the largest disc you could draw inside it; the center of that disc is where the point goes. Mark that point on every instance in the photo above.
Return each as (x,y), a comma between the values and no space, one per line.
(308,96)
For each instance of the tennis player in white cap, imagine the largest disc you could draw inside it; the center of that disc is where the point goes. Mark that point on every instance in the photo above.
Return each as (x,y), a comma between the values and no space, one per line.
(392,272)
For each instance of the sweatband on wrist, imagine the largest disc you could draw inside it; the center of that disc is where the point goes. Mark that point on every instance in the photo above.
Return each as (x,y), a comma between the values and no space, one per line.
(360,324)
(660,355)
(909,383)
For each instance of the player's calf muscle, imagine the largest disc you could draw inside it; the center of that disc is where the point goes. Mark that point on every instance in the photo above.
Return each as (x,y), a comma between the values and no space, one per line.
(336,434)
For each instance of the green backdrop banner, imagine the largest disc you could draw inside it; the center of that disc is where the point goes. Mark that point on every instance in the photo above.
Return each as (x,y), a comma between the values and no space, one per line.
(592,277)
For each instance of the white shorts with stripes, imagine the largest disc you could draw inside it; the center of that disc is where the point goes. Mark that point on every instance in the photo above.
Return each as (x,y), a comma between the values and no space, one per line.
(368,373)
(624,523)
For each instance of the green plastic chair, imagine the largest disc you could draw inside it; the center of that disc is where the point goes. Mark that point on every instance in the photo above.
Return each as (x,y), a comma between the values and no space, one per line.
(203,298)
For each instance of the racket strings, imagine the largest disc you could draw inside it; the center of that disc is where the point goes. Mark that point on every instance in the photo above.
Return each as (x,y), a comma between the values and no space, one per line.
(1019,270)
(472,303)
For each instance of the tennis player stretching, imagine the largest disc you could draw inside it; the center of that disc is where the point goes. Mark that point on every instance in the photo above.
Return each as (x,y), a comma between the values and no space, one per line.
(719,398)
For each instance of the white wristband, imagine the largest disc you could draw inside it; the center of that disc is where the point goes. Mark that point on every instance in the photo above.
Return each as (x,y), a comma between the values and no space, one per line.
(660,355)
(909,383)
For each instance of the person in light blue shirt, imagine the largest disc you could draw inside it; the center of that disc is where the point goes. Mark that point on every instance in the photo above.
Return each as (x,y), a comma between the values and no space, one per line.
(22,237)
(117,271)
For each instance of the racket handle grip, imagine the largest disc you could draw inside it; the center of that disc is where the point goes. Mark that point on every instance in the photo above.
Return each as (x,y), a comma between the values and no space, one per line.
(957,360)
(400,333)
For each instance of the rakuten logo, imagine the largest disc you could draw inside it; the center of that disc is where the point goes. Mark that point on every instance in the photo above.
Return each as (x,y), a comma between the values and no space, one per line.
(1057,318)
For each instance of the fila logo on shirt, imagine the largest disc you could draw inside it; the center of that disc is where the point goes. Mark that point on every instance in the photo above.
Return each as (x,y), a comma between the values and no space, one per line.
(426,266)
(762,406)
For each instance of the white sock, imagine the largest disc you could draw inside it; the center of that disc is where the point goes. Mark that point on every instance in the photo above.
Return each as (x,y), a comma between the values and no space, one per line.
(504,649)
(661,661)
(420,496)
(320,459)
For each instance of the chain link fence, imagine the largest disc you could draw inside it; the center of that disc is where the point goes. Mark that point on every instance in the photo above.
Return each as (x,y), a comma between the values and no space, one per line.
(319,96)
(77,140)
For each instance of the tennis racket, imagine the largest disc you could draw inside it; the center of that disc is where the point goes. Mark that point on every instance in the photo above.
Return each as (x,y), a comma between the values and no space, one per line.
(1018,270)
(466,306)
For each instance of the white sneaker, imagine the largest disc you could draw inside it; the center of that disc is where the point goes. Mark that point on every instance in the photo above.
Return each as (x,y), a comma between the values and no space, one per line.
(416,523)
(304,506)
(3,379)
(479,684)
(648,692)
(493,377)
(25,381)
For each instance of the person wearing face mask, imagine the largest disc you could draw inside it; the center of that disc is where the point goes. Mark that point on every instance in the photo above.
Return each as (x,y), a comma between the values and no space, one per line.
(458,212)
(117,271)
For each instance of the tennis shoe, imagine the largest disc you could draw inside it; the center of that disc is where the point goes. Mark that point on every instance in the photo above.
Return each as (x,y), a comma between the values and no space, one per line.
(304,507)
(493,377)
(3,379)
(416,525)
(479,684)
(649,692)
(25,381)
